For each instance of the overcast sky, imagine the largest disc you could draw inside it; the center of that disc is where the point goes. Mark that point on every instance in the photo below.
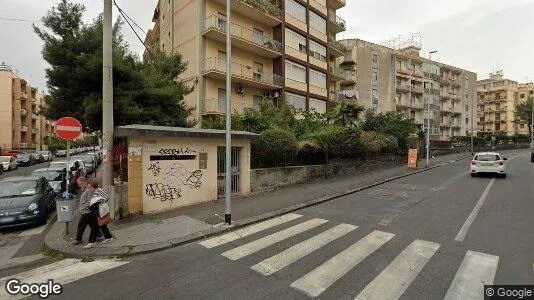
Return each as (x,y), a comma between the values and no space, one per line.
(478,35)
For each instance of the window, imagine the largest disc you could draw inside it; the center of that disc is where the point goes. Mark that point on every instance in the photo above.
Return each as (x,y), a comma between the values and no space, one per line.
(296,10)
(318,51)
(375,58)
(257,71)
(163,46)
(497,116)
(318,79)
(522,96)
(222,100)
(318,105)
(317,22)
(522,126)
(295,71)
(295,100)
(295,40)
(375,77)
(466,121)
(497,127)
(256,100)
(375,98)
(482,119)
(467,107)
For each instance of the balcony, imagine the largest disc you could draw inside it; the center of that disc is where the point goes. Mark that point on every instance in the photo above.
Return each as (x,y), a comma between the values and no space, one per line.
(23,96)
(403,88)
(337,48)
(455,97)
(456,83)
(417,89)
(244,38)
(210,106)
(35,116)
(444,95)
(402,104)
(23,128)
(336,73)
(336,24)
(216,68)
(418,73)
(262,11)
(336,4)
(23,112)
(444,81)
(416,105)
(348,77)
(404,70)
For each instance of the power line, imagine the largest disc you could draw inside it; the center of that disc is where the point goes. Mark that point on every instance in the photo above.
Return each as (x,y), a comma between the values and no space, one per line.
(18,20)
(126,18)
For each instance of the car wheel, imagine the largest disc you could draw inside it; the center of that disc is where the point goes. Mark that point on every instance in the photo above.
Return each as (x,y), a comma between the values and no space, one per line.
(473,175)
(503,175)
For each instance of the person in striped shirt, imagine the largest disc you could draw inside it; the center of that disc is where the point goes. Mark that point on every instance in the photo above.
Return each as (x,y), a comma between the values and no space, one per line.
(104,195)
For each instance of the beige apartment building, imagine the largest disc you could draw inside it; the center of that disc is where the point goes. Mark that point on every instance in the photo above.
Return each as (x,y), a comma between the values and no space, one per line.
(282,50)
(497,99)
(387,79)
(21,125)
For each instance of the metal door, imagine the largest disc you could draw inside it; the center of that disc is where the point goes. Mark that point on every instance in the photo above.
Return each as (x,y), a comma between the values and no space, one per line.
(221,171)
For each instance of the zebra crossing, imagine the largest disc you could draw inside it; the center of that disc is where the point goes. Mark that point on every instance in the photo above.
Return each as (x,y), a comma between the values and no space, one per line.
(476,269)
(62,272)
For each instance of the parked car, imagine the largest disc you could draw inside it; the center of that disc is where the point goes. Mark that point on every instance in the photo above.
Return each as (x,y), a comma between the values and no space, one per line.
(47,155)
(57,178)
(37,157)
(25,200)
(89,162)
(79,165)
(61,153)
(25,159)
(488,162)
(13,153)
(97,157)
(75,168)
(8,163)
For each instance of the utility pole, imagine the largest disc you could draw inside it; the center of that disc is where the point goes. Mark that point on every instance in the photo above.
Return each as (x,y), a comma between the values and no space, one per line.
(428,115)
(107,97)
(532,130)
(228,179)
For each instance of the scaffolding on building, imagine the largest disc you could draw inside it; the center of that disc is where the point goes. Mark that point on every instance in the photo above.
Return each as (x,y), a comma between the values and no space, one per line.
(404,41)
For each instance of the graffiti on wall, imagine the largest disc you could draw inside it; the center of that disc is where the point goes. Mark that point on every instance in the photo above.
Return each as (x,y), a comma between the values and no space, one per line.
(154,168)
(177,173)
(177,151)
(163,192)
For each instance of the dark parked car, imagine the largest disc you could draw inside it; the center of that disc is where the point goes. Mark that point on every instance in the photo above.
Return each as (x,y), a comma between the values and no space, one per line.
(76,168)
(38,157)
(89,162)
(57,178)
(25,159)
(25,200)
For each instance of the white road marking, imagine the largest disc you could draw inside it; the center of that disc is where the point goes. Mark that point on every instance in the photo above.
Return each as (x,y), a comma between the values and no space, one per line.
(7,252)
(62,272)
(272,239)
(393,281)
(463,231)
(322,277)
(477,269)
(21,260)
(249,230)
(283,259)
(39,229)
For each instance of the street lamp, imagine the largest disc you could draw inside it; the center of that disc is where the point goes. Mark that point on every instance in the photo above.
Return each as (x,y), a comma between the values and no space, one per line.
(430,53)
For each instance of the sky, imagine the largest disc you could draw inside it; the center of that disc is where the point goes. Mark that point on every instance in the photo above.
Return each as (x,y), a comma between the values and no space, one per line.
(477,35)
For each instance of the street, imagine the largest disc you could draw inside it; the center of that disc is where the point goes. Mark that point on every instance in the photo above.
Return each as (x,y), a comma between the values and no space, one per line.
(420,237)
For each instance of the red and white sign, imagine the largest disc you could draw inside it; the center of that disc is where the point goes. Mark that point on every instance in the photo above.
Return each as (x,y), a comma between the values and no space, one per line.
(68,128)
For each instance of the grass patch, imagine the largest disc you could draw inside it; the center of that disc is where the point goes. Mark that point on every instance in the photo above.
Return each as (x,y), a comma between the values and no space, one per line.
(127,254)
(87,259)
(51,253)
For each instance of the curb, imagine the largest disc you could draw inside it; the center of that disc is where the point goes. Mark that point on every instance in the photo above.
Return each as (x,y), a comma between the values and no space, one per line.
(127,251)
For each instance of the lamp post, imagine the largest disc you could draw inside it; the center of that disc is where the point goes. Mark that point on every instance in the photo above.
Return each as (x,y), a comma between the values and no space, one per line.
(428,116)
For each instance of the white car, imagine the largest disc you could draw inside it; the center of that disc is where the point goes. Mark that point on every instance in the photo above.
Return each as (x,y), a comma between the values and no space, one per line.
(488,162)
(8,163)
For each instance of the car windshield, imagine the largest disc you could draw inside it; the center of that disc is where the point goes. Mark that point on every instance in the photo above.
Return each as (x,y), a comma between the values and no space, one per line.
(487,157)
(4,159)
(23,156)
(43,152)
(17,188)
(49,175)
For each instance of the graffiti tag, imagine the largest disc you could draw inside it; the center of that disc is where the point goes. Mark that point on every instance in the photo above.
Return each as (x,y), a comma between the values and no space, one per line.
(176,151)
(163,192)
(177,173)
(155,168)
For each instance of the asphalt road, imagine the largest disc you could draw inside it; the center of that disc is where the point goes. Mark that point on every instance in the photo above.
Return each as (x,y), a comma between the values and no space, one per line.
(435,235)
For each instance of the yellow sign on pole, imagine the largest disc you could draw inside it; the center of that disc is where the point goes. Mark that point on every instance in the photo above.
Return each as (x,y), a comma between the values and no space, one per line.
(412,158)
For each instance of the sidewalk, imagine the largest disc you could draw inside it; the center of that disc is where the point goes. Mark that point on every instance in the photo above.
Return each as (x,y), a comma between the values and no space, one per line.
(149,233)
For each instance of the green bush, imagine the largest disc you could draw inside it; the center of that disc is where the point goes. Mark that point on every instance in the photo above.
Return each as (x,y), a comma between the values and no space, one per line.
(392,124)
(274,147)
(374,143)
(342,142)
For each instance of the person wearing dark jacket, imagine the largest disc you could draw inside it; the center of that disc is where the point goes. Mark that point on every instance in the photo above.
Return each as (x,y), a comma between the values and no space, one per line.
(86,217)
(100,198)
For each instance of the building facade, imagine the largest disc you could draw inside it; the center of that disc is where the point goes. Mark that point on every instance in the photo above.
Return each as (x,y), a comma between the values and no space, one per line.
(497,100)
(283,51)
(387,79)
(21,125)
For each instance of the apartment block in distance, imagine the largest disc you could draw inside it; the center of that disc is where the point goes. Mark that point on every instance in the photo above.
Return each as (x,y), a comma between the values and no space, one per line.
(282,50)
(390,79)
(21,126)
(497,99)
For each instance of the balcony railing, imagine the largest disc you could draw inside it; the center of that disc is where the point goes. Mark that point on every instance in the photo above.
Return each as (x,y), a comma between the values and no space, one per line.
(35,116)
(418,73)
(23,112)
(242,71)
(337,46)
(338,21)
(404,70)
(23,128)
(211,106)
(242,32)
(266,6)
(23,96)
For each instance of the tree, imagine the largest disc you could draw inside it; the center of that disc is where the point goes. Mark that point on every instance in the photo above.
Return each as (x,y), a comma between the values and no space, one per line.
(144,92)
(391,123)
(523,113)
(345,114)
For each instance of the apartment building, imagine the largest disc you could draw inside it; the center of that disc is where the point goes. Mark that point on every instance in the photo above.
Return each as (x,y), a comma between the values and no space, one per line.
(282,50)
(21,125)
(387,79)
(497,99)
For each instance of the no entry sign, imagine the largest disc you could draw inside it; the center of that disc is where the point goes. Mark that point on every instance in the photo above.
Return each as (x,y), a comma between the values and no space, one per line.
(68,128)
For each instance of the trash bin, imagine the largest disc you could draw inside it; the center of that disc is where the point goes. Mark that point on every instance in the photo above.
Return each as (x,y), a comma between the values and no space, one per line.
(65,206)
